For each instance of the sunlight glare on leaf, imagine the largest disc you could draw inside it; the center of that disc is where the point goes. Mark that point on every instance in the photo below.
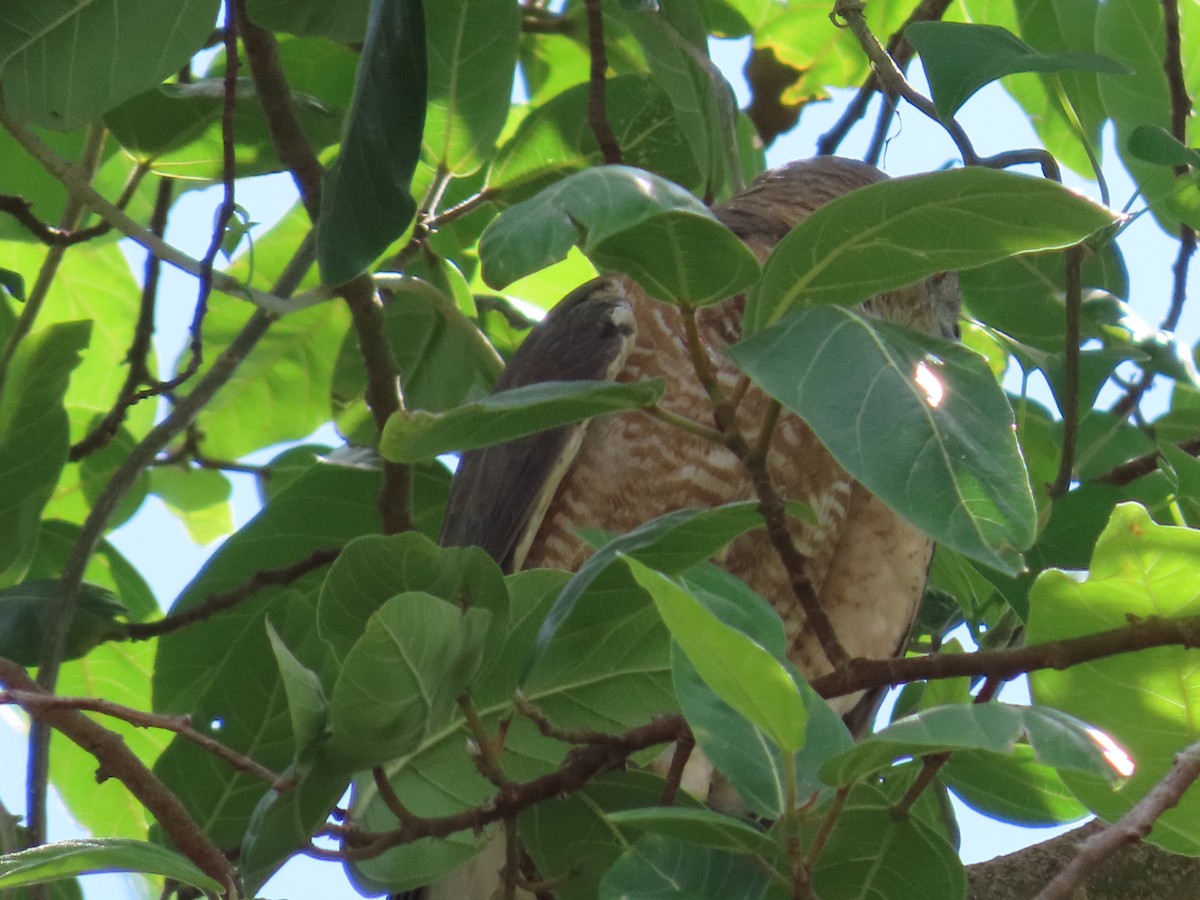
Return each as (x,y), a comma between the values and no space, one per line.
(1113,753)
(928,382)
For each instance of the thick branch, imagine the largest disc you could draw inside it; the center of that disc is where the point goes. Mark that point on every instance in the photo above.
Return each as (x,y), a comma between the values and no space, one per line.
(1129,829)
(863,674)
(1141,872)
(118,761)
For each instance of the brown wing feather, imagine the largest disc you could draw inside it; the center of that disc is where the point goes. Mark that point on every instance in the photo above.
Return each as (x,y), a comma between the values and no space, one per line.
(499,493)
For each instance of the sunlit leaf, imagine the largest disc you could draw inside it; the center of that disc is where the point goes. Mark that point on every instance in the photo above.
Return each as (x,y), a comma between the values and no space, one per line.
(919,421)
(66,859)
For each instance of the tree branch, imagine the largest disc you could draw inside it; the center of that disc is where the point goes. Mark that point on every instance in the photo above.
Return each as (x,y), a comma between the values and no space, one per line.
(215,603)
(1129,829)
(1003,665)
(597,113)
(1069,402)
(583,763)
(292,146)
(118,761)
(1143,465)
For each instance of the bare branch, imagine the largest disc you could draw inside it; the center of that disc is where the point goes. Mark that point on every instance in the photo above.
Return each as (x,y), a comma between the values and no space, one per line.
(215,603)
(597,114)
(1069,401)
(1003,665)
(118,761)
(1129,829)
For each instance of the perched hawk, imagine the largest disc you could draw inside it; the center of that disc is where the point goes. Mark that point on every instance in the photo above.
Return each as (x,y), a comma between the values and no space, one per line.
(525,501)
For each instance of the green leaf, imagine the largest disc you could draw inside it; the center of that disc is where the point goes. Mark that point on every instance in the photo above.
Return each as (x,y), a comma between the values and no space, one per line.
(345,21)
(65,66)
(442,358)
(66,859)
(659,867)
(33,436)
(221,671)
(374,568)
(366,202)
(672,541)
(199,497)
(555,139)
(696,826)
(902,852)
(307,706)
(675,43)
(896,232)
(1139,569)
(919,421)
(1058,740)
(25,616)
(606,669)
(960,58)
(1154,144)
(1013,788)
(571,839)
(738,670)
(13,284)
(745,756)
(626,220)
(508,415)
(472,47)
(400,680)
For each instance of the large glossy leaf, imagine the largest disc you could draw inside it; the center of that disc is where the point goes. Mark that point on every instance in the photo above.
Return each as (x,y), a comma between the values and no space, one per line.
(675,43)
(1012,788)
(1131,32)
(555,139)
(738,670)
(64,62)
(366,202)
(1058,740)
(400,680)
(572,839)
(1148,702)
(907,857)
(659,867)
(345,21)
(472,48)
(66,859)
(222,672)
(918,420)
(627,220)
(896,232)
(33,436)
(607,669)
(960,58)
(508,415)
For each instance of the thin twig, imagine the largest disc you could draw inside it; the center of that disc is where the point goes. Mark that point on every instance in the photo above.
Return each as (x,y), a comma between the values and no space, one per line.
(597,113)
(770,504)
(1129,829)
(143,335)
(293,149)
(71,215)
(582,764)
(77,185)
(118,761)
(577,736)
(215,603)
(1069,401)
(902,52)
(684,745)
(1143,465)
(180,725)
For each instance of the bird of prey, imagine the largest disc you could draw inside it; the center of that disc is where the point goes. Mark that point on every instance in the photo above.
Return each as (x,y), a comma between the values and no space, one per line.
(524,502)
